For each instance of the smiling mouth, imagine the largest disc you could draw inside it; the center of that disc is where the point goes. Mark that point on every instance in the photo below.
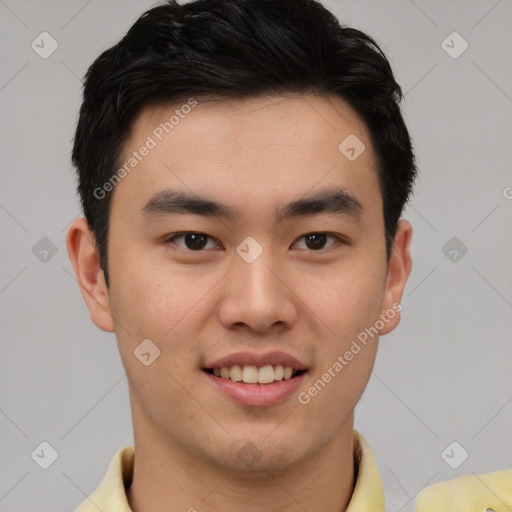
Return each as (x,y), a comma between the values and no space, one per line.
(250,374)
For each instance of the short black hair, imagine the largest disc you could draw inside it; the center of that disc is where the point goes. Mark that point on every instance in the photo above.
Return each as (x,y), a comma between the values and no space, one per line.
(236,49)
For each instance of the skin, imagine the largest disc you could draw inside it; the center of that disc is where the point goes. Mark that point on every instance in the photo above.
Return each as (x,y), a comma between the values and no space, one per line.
(252,155)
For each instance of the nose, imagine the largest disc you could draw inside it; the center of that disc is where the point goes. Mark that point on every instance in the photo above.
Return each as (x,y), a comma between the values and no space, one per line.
(258,295)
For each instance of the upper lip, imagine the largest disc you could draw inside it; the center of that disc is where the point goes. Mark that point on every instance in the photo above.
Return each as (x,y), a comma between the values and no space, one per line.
(247,358)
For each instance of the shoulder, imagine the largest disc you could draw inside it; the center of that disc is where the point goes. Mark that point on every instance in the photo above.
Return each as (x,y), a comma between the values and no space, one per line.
(487,492)
(111,493)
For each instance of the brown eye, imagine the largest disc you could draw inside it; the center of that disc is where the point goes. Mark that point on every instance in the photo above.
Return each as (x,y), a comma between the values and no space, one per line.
(316,241)
(192,241)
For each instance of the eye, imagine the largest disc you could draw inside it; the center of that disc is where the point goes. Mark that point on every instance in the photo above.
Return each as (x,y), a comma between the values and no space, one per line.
(193,241)
(316,241)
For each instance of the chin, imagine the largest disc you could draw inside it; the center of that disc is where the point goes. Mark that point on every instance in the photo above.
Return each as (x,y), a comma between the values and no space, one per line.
(264,458)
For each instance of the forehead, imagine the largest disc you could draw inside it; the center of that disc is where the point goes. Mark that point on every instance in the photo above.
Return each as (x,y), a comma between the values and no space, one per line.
(294,121)
(266,147)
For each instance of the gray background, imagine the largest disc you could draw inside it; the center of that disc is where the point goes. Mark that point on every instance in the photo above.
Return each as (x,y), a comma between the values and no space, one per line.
(442,376)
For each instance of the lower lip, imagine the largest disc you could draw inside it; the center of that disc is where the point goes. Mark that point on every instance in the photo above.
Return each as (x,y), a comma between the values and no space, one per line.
(258,394)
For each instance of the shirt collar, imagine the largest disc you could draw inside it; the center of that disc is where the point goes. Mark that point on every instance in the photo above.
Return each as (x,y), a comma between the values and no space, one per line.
(368,492)
(111,494)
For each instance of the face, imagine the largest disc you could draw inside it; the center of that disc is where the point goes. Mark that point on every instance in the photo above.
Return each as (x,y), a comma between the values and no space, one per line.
(250,287)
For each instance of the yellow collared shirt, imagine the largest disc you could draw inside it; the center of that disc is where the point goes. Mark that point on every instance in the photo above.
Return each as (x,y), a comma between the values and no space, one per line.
(488,492)
(110,496)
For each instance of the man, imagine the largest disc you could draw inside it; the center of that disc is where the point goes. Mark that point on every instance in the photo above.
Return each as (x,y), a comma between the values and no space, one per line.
(243,166)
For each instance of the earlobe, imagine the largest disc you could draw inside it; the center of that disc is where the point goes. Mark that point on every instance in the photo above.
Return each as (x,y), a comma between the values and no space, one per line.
(84,257)
(399,268)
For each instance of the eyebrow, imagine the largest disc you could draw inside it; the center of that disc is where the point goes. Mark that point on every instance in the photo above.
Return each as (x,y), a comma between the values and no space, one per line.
(171,202)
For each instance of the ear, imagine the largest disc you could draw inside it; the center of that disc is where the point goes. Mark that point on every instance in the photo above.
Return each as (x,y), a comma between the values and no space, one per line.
(399,268)
(84,257)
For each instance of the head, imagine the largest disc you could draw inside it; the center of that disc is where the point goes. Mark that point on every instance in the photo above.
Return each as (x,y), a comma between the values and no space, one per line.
(275,136)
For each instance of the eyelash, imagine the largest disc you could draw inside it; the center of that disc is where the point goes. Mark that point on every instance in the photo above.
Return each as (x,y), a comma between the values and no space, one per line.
(170,239)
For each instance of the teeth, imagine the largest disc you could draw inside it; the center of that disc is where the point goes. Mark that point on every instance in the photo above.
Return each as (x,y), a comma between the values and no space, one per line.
(235,373)
(250,374)
(254,375)
(266,374)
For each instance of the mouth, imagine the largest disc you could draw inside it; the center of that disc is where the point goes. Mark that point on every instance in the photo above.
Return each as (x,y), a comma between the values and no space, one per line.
(258,380)
(251,374)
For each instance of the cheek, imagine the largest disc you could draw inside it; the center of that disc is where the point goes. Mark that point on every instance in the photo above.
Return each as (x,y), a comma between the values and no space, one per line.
(354,301)
(151,308)
(348,299)
(349,306)
(146,296)
(152,301)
